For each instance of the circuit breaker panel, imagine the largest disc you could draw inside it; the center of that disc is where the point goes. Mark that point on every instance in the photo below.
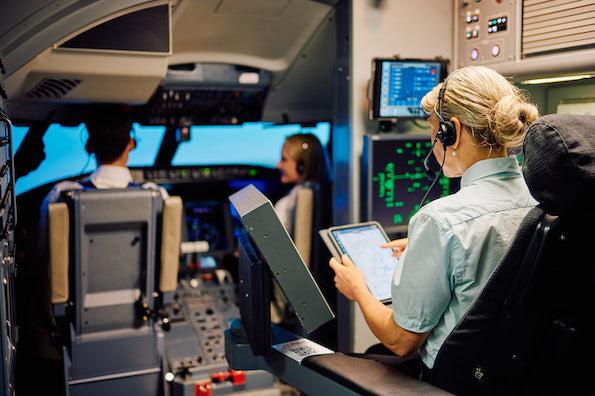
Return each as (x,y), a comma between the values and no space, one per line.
(487,31)
(8,327)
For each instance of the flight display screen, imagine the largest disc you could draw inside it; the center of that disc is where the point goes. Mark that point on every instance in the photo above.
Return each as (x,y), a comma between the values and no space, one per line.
(259,143)
(399,86)
(64,152)
(209,221)
(396,180)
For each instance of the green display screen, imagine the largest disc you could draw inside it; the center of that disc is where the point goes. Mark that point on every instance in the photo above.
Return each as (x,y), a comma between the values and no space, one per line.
(398,180)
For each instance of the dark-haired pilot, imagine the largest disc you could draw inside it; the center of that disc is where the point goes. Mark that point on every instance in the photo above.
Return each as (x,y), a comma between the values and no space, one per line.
(110,142)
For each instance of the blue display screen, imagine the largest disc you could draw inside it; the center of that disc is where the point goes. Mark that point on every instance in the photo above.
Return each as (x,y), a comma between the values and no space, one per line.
(404,84)
(257,143)
(65,154)
(148,141)
(18,135)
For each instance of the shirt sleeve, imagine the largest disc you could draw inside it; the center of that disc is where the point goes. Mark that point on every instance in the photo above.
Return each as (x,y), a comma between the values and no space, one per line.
(153,186)
(421,289)
(284,210)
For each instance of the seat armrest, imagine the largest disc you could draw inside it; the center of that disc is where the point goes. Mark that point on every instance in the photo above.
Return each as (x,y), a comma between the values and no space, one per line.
(367,376)
(58,238)
(171,239)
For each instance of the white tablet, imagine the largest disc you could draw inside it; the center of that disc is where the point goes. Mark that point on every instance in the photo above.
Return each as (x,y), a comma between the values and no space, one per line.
(361,243)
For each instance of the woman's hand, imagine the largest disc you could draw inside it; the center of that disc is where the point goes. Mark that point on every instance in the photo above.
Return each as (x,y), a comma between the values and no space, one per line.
(398,246)
(348,279)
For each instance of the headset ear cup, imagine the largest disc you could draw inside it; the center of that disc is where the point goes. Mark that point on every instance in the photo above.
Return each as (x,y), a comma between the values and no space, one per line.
(448,134)
(301,168)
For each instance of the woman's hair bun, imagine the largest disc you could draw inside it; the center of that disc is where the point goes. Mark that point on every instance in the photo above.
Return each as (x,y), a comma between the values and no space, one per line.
(509,119)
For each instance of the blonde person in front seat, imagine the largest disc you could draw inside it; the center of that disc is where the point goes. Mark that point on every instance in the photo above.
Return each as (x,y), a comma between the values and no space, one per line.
(454,242)
(303,159)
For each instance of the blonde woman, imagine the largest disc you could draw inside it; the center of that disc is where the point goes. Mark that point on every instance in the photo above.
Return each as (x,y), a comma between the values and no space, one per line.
(303,159)
(454,242)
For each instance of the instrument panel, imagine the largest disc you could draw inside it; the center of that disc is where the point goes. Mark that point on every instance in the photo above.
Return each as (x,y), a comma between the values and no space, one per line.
(486,31)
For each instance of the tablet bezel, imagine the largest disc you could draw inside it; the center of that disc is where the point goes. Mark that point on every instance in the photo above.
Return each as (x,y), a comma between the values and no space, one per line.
(358,225)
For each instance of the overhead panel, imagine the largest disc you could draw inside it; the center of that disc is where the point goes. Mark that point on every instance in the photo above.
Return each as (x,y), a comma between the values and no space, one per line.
(557,25)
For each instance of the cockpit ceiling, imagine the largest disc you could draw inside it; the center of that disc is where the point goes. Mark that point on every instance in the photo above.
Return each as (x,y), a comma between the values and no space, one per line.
(267,34)
(272,35)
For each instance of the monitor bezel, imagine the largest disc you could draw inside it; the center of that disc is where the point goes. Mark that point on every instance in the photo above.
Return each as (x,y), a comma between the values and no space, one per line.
(374,104)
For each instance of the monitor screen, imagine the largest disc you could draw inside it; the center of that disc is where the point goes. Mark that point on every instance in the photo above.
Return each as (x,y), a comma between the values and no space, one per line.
(261,143)
(399,86)
(18,135)
(209,221)
(65,155)
(275,249)
(395,178)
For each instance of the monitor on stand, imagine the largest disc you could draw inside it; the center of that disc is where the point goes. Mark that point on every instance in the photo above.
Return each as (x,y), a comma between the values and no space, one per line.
(267,251)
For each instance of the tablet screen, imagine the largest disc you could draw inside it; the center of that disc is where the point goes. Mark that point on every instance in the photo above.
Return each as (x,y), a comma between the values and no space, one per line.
(362,245)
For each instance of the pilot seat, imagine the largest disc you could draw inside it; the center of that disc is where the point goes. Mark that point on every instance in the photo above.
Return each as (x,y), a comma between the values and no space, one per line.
(103,249)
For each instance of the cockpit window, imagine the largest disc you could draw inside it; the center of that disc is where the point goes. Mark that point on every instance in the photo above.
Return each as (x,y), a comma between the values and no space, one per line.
(65,155)
(256,143)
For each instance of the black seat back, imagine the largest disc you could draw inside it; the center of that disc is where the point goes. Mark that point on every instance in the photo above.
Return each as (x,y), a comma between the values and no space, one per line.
(526,331)
(321,218)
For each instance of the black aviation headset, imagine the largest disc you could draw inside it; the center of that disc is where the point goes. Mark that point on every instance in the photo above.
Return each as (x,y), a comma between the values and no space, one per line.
(447,135)
(301,163)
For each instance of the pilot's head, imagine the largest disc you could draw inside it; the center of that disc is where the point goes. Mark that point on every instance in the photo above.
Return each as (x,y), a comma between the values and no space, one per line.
(109,136)
(485,116)
(303,159)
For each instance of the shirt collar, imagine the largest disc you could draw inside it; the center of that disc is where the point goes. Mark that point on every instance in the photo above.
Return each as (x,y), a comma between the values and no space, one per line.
(489,167)
(111,176)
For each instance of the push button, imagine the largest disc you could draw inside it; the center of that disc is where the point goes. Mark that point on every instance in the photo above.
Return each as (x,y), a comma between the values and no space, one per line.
(220,376)
(238,377)
(474,54)
(203,388)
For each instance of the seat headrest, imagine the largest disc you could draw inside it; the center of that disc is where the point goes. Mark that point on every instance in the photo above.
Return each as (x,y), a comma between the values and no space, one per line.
(559,164)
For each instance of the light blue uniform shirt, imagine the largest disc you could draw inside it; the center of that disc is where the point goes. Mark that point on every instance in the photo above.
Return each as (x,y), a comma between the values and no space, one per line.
(454,244)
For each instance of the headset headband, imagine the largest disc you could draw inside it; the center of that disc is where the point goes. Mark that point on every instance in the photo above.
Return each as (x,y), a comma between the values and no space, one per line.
(441,94)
